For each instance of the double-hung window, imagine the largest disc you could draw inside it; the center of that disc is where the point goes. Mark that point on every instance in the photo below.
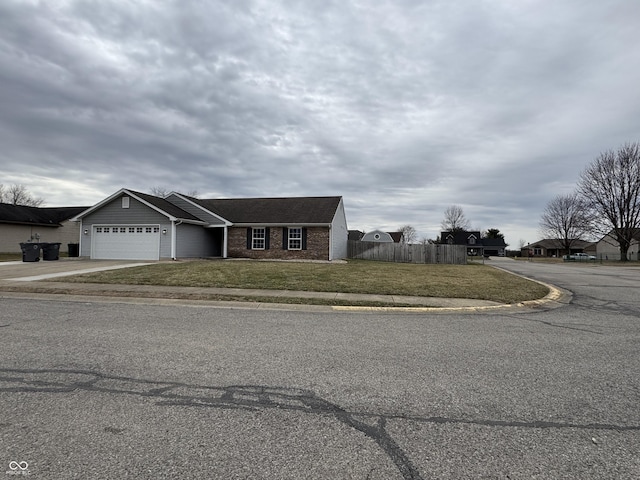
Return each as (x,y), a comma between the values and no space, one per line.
(295,239)
(258,237)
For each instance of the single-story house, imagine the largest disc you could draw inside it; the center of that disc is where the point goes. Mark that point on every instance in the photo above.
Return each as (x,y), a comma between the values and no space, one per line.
(608,248)
(20,224)
(476,245)
(552,247)
(138,226)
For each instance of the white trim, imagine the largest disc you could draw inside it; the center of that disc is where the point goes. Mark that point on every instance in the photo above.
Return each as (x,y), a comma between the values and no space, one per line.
(225,237)
(113,197)
(253,238)
(289,237)
(280,224)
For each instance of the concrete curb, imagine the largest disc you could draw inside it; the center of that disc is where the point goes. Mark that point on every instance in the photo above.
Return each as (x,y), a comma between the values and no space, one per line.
(32,287)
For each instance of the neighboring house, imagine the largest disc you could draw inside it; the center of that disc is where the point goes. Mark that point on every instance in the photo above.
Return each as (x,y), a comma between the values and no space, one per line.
(552,247)
(378,236)
(355,235)
(139,226)
(476,245)
(608,248)
(397,237)
(19,224)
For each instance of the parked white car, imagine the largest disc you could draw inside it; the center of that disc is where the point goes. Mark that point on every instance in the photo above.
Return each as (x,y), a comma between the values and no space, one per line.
(580,257)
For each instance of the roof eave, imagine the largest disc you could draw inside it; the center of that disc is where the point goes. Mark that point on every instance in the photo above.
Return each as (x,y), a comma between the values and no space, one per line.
(280,224)
(188,200)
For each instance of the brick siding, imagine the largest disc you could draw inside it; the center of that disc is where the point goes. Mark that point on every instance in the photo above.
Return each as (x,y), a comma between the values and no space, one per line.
(317,245)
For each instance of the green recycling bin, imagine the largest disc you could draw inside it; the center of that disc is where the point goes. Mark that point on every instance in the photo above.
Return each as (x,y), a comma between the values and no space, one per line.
(30,252)
(50,251)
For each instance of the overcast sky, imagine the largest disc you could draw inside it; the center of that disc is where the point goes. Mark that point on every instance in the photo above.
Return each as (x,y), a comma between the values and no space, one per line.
(403,107)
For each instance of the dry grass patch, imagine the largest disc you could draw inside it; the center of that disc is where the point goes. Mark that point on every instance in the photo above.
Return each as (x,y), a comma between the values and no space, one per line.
(356,276)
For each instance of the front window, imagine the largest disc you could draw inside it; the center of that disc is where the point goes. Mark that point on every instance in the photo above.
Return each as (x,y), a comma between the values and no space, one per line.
(258,239)
(295,239)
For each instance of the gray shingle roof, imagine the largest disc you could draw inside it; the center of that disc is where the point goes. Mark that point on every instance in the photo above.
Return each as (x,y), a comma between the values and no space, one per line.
(164,205)
(41,216)
(279,211)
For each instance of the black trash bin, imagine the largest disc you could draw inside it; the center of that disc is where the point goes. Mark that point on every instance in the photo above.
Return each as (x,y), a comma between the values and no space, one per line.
(74,249)
(50,251)
(30,252)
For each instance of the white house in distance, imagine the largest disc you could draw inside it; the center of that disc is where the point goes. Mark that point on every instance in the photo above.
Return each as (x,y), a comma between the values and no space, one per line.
(608,247)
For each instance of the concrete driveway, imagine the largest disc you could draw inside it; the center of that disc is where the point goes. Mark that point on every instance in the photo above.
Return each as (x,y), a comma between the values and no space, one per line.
(32,271)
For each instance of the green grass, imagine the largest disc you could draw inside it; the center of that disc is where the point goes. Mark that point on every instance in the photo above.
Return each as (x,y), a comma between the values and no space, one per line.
(356,276)
(10,257)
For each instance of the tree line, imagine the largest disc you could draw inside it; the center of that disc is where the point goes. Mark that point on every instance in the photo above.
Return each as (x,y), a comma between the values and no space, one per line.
(606,201)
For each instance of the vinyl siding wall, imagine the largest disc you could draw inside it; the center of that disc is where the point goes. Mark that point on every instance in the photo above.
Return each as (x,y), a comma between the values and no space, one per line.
(609,249)
(11,236)
(137,214)
(196,241)
(339,234)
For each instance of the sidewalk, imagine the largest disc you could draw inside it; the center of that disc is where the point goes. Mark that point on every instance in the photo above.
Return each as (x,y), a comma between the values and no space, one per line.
(199,293)
(20,279)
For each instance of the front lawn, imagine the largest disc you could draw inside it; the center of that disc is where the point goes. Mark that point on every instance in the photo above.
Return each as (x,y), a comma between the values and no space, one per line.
(356,276)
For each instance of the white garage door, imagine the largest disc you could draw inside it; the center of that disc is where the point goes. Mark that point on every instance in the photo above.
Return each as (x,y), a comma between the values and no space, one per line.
(131,242)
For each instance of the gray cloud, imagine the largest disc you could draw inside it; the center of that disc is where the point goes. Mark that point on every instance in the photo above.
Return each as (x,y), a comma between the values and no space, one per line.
(402,107)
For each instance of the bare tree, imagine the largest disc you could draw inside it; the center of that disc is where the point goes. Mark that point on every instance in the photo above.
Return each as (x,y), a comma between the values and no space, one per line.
(566,219)
(409,234)
(454,220)
(610,187)
(159,191)
(162,191)
(18,194)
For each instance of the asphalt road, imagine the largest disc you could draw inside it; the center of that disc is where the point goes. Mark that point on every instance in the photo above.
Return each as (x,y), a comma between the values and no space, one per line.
(116,390)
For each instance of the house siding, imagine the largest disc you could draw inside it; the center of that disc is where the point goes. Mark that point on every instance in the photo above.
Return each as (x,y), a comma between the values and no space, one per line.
(608,248)
(196,241)
(137,214)
(339,234)
(11,236)
(317,245)
(382,237)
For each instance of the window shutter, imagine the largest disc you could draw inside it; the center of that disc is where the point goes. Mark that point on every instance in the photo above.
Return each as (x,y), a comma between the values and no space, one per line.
(249,238)
(304,238)
(285,238)
(266,238)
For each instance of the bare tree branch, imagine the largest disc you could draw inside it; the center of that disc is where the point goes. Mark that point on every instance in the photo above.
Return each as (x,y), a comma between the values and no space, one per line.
(454,220)
(408,234)
(17,194)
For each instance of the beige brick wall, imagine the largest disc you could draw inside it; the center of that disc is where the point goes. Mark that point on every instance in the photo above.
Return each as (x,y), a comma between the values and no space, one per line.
(317,245)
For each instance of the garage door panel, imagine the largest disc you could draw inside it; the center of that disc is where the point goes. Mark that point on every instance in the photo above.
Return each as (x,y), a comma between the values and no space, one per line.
(131,242)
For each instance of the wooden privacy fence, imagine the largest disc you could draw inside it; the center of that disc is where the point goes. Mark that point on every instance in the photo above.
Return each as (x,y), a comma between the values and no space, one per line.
(401,253)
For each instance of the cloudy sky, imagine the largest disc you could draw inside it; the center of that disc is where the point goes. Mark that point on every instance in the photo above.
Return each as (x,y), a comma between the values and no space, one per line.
(403,107)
